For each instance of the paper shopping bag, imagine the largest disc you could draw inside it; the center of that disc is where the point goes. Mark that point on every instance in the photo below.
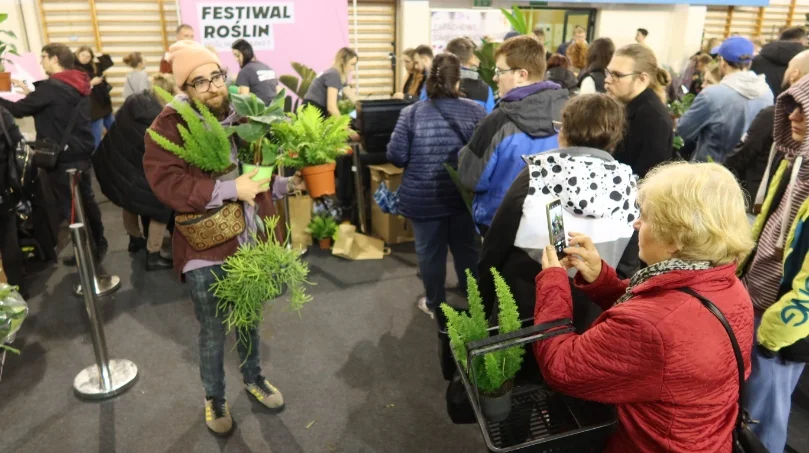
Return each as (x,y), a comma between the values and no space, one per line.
(300,214)
(356,246)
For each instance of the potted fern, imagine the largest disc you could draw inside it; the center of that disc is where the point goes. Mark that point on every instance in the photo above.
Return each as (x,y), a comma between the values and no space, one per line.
(313,143)
(323,228)
(6,48)
(256,274)
(206,143)
(494,371)
(260,152)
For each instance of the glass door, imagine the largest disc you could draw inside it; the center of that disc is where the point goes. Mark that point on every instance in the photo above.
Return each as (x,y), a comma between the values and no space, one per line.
(558,23)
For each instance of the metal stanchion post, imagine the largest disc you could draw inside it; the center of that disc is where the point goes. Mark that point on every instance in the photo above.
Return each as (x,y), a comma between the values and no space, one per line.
(360,191)
(103,284)
(106,378)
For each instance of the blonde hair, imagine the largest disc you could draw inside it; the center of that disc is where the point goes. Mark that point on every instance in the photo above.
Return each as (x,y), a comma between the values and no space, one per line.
(646,61)
(712,75)
(700,209)
(341,59)
(166,82)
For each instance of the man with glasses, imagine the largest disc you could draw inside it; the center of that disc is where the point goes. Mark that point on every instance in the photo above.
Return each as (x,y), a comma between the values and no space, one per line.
(521,124)
(722,113)
(189,189)
(60,106)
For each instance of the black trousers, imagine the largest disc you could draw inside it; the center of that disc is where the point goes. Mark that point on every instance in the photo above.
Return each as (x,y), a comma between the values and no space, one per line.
(13,259)
(60,185)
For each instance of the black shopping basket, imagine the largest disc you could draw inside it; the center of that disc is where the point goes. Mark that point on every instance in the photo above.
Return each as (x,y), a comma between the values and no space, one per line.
(541,419)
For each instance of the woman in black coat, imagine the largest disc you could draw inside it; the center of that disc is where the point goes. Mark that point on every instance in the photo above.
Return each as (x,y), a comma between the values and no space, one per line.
(100,102)
(118,164)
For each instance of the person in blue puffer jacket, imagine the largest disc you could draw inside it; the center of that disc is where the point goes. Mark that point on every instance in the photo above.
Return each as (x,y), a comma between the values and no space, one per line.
(429,135)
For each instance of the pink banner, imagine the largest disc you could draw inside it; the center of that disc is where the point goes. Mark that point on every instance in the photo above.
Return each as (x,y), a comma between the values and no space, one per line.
(304,31)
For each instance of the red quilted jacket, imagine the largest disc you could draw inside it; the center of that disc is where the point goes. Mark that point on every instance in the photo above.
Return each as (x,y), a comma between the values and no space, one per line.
(661,357)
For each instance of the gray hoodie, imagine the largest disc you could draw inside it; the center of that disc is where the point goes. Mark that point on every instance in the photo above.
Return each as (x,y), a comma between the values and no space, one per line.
(721,114)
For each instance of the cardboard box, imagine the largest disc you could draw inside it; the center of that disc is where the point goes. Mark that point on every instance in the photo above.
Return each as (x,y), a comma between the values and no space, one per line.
(393,229)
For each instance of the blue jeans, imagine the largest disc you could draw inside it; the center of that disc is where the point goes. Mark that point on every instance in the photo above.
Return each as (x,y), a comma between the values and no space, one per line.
(433,238)
(98,126)
(212,336)
(769,396)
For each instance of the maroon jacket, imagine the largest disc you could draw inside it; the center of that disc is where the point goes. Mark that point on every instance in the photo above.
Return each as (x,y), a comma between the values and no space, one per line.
(661,357)
(187,189)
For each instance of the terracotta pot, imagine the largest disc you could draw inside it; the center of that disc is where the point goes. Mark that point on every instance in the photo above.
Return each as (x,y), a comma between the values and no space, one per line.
(319,179)
(263,172)
(5,81)
(325,244)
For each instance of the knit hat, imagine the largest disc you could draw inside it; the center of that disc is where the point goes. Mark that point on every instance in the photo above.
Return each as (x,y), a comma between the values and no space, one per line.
(796,95)
(186,56)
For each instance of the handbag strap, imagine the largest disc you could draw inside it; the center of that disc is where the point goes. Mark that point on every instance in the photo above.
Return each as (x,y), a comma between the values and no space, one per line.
(69,128)
(452,125)
(736,350)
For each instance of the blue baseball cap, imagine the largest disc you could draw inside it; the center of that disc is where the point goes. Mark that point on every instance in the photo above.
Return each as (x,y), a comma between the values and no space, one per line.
(736,49)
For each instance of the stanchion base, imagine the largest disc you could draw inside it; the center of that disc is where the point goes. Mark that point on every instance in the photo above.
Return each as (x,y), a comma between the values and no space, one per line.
(87,384)
(106,284)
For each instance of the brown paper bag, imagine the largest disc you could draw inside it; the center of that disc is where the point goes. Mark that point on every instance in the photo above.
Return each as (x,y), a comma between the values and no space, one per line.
(356,246)
(300,214)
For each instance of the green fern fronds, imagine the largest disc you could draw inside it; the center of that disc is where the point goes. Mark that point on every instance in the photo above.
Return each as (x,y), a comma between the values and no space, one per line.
(308,139)
(206,143)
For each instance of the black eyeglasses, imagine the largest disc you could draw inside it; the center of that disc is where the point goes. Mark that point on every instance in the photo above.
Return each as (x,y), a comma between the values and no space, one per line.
(498,72)
(618,75)
(203,85)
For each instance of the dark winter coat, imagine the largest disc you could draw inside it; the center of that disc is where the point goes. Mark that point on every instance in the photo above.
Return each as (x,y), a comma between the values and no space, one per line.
(563,77)
(52,104)
(749,159)
(422,143)
(649,135)
(598,76)
(118,162)
(100,102)
(773,60)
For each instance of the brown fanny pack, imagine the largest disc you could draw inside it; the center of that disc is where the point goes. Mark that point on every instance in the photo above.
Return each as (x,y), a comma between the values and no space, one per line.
(215,227)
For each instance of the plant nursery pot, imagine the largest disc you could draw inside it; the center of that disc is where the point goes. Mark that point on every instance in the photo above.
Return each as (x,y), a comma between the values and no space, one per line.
(497,408)
(319,179)
(325,244)
(263,172)
(5,81)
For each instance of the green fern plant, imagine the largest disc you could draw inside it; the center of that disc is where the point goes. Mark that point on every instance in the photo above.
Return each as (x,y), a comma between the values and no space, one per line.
(309,139)
(322,227)
(255,275)
(206,143)
(494,369)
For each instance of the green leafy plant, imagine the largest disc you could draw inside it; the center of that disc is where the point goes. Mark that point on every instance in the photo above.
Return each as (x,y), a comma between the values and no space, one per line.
(260,118)
(678,142)
(255,275)
(6,47)
(299,86)
(309,139)
(520,21)
(206,143)
(494,369)
(346,106)
(12,313)
(485,54)
(679,107)
(322,227)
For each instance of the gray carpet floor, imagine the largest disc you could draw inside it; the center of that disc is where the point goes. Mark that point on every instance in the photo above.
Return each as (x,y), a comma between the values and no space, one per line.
(358,368)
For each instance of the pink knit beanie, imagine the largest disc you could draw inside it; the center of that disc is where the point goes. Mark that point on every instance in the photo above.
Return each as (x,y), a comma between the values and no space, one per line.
(186,56)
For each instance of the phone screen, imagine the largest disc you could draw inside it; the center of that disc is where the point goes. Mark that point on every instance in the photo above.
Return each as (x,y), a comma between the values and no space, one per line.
(556,227)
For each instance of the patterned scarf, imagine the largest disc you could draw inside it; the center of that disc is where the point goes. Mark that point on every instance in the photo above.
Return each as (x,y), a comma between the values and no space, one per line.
(663,267)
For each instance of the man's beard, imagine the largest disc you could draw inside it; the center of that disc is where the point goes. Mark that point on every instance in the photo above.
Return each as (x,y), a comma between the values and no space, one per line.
(220,110)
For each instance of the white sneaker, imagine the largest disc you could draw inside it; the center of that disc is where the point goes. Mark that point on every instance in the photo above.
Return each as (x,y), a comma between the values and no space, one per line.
(423,307)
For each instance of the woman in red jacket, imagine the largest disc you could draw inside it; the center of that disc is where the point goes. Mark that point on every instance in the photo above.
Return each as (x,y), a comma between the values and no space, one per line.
(657,353)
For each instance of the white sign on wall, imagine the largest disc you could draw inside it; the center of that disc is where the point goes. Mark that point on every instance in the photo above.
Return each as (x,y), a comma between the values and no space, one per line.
(220,25)
(475,24)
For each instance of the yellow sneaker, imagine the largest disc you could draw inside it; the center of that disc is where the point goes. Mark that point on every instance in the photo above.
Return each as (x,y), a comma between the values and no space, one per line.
(266,394)
(217,417)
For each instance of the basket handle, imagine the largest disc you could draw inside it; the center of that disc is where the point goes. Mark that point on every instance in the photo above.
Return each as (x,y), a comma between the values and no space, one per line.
(525,335)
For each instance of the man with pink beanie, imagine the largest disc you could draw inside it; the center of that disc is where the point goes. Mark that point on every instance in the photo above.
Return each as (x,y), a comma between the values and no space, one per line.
(189,189)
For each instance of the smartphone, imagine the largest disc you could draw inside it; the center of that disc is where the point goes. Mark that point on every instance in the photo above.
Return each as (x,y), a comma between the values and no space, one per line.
(556,227)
